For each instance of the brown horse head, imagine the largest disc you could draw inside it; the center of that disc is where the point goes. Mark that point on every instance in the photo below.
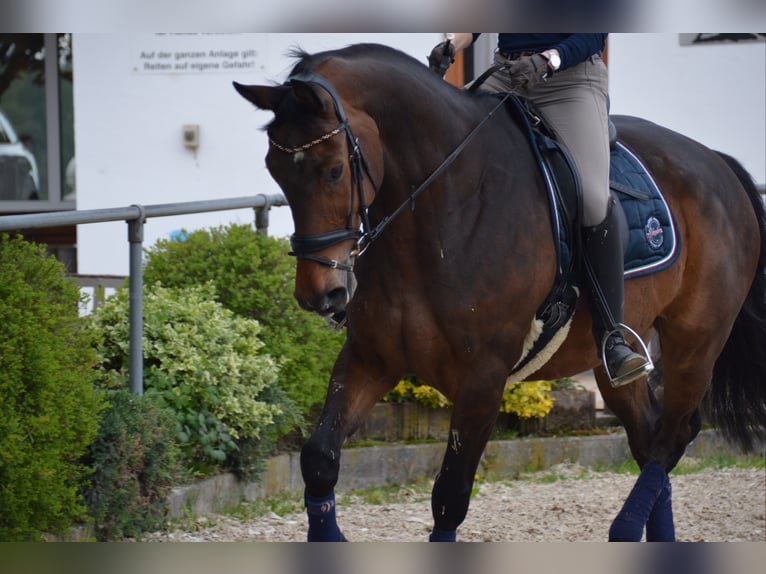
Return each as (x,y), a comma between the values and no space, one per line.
(315,155)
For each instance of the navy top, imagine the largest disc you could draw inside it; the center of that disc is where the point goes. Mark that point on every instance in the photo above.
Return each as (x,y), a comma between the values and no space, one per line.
(573,48)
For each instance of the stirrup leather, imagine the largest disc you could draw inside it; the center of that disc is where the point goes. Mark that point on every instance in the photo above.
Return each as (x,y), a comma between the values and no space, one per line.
(626,378)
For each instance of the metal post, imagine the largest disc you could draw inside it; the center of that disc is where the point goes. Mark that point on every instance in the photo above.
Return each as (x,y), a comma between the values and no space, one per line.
(136,357)
(262,215)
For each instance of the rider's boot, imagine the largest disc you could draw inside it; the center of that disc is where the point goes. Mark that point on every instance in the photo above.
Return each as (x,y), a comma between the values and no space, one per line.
(605,281)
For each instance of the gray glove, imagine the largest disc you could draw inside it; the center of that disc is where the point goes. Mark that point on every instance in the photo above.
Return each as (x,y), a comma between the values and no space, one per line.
(528,71)
(441,57)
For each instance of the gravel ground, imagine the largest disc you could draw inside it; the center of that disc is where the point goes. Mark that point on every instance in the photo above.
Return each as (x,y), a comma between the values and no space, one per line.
(710,506)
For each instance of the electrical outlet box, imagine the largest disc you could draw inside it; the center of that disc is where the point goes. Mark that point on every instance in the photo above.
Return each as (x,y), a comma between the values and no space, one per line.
(191,136)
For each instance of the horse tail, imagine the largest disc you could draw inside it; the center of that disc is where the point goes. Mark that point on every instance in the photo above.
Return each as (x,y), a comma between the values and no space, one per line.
(736,402)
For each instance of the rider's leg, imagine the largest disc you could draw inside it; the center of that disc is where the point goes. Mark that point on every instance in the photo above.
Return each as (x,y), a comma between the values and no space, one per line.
(574,102)
(604,273)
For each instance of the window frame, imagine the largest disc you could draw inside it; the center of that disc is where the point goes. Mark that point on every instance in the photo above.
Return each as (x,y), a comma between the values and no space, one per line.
(53,133)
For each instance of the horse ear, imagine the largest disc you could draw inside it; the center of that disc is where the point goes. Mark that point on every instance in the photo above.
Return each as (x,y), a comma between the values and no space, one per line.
(308,95)
(263,97)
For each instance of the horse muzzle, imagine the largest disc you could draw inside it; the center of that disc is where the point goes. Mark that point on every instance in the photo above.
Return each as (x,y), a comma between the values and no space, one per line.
(322,288)
(330,301)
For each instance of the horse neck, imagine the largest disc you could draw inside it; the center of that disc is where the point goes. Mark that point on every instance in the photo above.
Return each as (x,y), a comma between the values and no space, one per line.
(418,130)
(420,121)
(450,216)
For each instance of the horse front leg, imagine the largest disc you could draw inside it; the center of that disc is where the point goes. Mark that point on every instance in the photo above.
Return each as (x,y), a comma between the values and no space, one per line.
(473,418)
(354,389)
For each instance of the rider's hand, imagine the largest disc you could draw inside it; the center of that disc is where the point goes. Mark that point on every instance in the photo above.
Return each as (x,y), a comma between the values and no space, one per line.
(528,71)
(441,57)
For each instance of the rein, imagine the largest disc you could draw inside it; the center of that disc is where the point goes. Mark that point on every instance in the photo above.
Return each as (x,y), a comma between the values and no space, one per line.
(304,247)
(367,238)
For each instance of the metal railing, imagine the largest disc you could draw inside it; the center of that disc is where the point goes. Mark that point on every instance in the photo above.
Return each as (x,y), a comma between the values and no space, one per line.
(135,216)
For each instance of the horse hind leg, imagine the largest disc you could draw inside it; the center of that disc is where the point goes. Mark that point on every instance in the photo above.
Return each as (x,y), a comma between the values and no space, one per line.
(650,501)
(639,411)
(649,504)
(637,408)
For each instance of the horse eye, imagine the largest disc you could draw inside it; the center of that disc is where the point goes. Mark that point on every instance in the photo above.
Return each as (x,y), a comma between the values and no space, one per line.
(335,173)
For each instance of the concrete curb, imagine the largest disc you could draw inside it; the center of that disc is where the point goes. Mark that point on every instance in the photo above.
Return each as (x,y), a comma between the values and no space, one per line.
(364,467)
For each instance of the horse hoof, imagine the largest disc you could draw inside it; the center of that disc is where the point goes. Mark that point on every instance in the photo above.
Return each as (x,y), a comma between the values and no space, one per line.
(443,536)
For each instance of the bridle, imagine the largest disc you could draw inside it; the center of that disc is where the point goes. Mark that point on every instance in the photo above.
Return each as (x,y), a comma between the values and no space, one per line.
(305,246)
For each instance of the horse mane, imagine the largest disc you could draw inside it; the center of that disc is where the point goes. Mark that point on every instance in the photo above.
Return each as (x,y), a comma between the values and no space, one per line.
(399,70)
(307,62)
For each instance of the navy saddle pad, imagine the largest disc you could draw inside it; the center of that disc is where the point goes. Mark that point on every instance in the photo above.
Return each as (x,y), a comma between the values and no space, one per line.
(654,243)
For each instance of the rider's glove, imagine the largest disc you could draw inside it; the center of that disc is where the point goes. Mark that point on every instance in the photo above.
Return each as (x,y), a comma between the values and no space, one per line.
(441,57)
(528,71)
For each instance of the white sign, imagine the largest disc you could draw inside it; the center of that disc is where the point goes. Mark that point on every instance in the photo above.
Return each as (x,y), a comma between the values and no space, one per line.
(198,53)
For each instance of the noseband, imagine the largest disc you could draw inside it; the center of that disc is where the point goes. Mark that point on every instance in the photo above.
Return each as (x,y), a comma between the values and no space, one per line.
(305,246)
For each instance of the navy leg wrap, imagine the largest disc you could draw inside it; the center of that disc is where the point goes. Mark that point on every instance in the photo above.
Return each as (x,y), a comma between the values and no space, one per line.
(322,524)
(660,527)
(443,536)
(629,524)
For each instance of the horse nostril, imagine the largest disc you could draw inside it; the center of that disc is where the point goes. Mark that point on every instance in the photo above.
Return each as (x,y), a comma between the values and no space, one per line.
(335,300)
(328,304)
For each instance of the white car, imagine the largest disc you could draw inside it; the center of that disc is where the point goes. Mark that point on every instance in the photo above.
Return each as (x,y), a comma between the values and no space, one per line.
(19,179)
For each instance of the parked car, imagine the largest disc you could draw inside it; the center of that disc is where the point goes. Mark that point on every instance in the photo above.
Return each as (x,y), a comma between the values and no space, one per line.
(19,178)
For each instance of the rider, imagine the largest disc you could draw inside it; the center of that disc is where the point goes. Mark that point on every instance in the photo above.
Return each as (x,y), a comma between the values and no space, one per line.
(564,77)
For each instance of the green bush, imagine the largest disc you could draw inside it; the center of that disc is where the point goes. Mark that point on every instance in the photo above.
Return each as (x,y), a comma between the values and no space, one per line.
(135,462)
(202,362)
(254,277)
(49,409)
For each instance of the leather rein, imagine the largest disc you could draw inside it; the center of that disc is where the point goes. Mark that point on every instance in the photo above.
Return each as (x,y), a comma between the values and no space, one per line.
(305,246)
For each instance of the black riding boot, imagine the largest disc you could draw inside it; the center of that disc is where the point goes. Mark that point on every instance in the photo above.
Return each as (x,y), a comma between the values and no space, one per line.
(605,281)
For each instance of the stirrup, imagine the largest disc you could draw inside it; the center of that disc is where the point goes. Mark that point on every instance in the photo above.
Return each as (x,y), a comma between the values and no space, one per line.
(631,376)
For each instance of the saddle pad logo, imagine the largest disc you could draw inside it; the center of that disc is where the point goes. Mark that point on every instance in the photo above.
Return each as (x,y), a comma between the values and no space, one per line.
(654,233)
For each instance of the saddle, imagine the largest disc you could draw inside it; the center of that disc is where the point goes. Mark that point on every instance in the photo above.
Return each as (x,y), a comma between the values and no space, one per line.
(650,238)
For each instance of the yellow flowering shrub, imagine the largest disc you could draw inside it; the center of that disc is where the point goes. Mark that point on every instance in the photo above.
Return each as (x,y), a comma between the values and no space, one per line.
(412,390)
(527,399)
(430,397)
(530,399)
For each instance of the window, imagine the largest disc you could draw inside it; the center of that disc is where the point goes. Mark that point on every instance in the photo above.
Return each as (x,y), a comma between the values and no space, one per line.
(36,123)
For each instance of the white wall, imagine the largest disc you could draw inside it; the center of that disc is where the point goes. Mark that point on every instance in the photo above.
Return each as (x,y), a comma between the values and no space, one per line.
(714,93)
(129,119)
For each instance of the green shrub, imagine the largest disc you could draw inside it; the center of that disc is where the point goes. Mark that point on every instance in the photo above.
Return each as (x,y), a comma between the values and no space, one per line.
(254,277)
(49,408)
(135,462)
(202,362)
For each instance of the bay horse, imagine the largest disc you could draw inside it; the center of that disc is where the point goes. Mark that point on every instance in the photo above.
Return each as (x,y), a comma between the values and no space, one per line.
(431,199)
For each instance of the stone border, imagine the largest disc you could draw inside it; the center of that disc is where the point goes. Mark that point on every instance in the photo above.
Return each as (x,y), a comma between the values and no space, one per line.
(573,409)
(364,467)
